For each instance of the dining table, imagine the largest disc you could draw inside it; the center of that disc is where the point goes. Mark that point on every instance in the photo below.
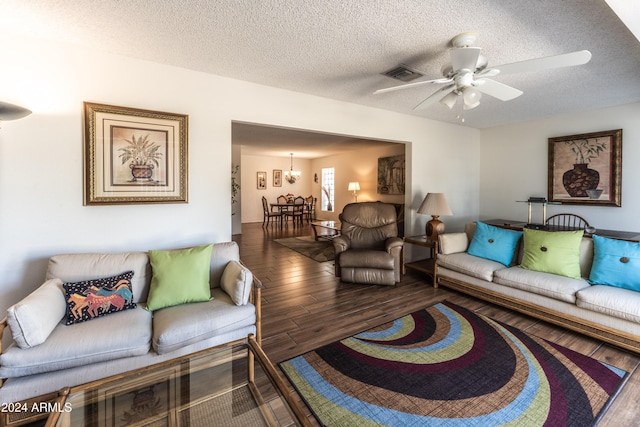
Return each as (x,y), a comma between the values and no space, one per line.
(284,207)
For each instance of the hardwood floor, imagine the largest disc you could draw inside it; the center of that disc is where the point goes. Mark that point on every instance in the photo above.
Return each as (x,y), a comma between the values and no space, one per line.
(305,306)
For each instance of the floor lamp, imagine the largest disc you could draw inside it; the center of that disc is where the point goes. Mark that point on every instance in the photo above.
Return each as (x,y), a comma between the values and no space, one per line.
(435,204)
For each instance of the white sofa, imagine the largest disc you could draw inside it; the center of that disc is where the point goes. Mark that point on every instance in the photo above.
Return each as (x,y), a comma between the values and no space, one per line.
(125,340)
(605,312)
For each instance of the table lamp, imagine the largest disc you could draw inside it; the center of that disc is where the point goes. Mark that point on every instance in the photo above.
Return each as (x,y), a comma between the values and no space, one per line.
(435,204)
(355,187)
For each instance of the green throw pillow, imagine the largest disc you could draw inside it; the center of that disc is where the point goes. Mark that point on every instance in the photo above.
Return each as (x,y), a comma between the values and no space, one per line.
(556,252)
(179,277)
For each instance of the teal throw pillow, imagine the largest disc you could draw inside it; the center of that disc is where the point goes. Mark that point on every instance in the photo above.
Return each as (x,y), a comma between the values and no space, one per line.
(179,277)
(494,243)
(556,252)
(615,263)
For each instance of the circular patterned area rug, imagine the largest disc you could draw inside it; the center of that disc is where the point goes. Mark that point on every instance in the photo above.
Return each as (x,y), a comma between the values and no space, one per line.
(446,365)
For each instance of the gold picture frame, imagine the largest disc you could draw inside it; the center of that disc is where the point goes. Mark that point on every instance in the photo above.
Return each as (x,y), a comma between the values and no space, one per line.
(277,177)
(586,169)
(134,156)
(261,180)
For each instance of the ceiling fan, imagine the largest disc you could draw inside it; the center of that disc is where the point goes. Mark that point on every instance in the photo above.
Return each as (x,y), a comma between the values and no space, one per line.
(466,77)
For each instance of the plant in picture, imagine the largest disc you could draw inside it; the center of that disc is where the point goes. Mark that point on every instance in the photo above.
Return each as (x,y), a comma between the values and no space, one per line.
(327,193)
(580,180)
(586,150)
(235,186)
(142,155)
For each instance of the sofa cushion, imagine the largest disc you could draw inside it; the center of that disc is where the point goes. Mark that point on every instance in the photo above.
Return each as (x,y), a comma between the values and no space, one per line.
(222,253)
(615,263)
(547,284)
(556,252)
(78,267)
(32,319)
(179,277)
(612,301)
(366,258)
(494,243)
(451,243)
(480,268)
(236,281)
(182,325)
(122,334)
(90,299)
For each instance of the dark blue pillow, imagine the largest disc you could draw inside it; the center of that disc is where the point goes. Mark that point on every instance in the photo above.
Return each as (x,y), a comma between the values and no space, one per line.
(615,263)
(494,243)
(89,299)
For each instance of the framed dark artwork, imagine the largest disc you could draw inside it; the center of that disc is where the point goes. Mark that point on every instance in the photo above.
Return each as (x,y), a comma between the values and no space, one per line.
(391,174)
(261,180)
(586,169)
(277,178)
(134,156)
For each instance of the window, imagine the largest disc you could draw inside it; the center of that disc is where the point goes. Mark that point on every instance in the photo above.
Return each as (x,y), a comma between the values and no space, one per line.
(328,184)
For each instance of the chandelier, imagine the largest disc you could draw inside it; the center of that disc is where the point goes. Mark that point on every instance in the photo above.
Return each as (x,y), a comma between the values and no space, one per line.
(291,176)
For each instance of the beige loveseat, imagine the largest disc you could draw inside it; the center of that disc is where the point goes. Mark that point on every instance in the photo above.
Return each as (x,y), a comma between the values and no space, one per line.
(605,312)
(48,355)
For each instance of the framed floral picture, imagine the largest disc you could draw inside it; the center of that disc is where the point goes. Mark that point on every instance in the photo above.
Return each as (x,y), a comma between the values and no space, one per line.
(277,178)
(261,179)
(134,156)
(586,169)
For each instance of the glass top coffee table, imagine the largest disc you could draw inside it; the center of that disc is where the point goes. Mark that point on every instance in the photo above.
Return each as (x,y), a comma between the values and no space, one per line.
(333,228)
(223,386)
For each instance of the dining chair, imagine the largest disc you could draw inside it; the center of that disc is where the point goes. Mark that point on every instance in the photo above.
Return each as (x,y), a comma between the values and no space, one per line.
(297,211)
(269,215)
(566,221)
(309,207)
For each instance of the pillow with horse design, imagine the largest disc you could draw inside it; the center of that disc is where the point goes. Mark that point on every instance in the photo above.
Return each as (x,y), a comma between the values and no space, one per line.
(89,299)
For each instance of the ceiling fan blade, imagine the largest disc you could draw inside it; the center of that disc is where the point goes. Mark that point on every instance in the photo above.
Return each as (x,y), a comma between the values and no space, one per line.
(408,85)
(464,58)
(435,97)
(556,61)
(497,90)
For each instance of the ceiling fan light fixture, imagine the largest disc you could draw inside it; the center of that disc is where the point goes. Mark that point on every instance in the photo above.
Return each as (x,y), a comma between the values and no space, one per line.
(471,97)
(450,100)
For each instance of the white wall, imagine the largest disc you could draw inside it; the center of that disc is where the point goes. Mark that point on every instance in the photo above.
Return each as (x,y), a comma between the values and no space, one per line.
(41,211)
(514,163)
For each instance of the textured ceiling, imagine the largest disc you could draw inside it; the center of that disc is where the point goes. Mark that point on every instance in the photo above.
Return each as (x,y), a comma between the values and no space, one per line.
(338,49)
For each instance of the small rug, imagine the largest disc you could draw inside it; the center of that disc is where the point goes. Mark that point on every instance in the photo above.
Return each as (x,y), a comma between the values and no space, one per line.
(446,365)
(321,250)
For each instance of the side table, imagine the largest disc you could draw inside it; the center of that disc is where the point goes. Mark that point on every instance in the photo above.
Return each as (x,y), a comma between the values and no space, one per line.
(427,265)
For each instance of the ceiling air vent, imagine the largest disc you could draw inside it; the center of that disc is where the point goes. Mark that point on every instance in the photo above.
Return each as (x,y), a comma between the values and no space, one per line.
(403,73)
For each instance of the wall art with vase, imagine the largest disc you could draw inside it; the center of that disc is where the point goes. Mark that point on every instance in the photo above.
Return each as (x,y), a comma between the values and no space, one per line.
(134,156)
(586,169)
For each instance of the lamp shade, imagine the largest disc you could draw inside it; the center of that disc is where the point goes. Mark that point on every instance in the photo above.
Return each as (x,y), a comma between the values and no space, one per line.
(354,186)
(435,204)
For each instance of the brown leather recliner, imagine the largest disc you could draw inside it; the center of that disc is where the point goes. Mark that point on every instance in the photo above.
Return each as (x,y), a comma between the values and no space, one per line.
(368,249)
